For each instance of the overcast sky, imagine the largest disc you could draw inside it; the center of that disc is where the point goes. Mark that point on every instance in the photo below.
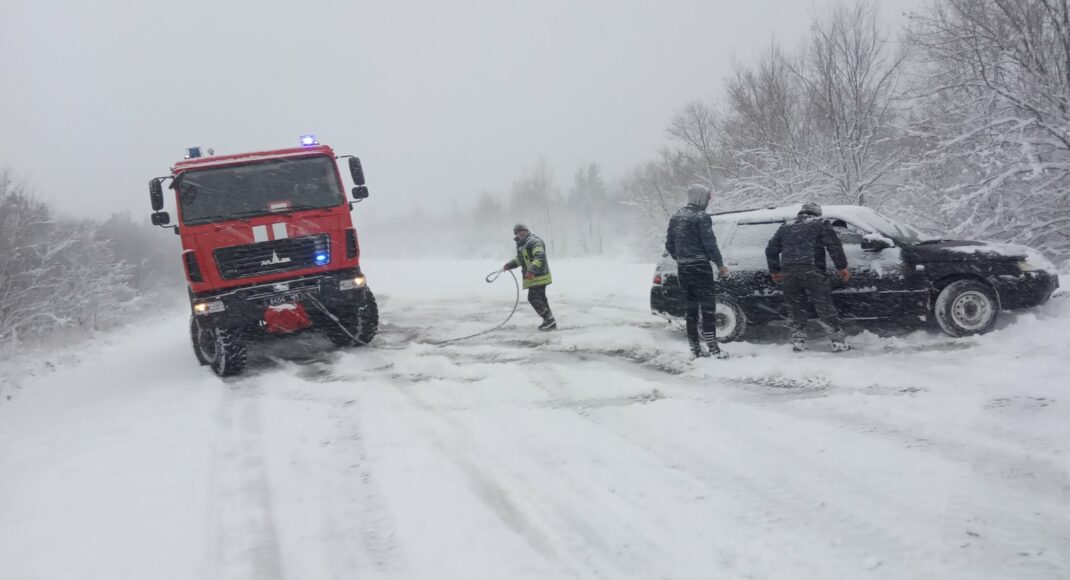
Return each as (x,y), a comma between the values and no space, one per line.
(440,99)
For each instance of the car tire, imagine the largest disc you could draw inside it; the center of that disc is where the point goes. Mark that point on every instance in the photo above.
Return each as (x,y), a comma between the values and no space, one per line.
(361,322)
(731,320)
(223,349)
(966,307)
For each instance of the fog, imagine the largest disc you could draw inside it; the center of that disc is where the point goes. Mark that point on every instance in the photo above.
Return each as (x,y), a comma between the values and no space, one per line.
(441,100)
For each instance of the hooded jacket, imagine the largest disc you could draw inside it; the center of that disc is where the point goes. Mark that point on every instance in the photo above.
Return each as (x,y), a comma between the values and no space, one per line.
(531,257)
(690,239)
(803,242)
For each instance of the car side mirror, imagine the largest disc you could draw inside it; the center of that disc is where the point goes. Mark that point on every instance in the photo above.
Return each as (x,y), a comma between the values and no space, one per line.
(156,194)
(876,243)
(161,218)
(357,171)
(360,192)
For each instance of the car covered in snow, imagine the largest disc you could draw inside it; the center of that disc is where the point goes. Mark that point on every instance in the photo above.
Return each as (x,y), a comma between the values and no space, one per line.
(897,273)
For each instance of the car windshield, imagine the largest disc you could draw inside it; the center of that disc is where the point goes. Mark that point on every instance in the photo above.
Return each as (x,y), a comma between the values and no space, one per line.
(871,221)
(900,231)
(221,193)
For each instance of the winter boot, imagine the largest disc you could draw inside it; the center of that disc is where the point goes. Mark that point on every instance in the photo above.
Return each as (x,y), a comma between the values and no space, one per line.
(715,350)
(697,352)
(549,324)
(798,345)
(840,346)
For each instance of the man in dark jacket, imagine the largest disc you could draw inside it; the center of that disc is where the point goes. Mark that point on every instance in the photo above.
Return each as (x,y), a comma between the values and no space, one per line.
(796,256)
(691,242)
(531,257)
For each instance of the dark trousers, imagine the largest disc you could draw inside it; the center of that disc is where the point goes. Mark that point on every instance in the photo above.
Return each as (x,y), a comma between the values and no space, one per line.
(696,280)
(537,298)
(806,285)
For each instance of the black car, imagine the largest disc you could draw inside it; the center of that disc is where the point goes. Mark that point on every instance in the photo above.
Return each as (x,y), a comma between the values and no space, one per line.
(896,273)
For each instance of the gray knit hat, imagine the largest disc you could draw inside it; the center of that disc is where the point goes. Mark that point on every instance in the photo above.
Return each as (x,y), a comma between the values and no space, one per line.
(519,227)
(811,207)
(698,194)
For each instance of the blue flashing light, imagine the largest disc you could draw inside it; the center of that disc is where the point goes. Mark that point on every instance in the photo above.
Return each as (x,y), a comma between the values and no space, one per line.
(309,141)
(322,258)
(193,152)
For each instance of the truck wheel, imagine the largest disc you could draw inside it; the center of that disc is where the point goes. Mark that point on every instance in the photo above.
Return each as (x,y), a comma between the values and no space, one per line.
(195,338)
(966,307)
(362,322)
(220,348)
(731,320)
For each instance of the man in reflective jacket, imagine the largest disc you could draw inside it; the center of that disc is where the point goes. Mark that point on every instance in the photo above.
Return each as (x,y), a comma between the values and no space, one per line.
(531,257)
(691,242)
(796,256)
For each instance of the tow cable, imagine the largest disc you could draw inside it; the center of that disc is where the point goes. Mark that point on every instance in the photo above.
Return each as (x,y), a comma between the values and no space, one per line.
(489,279)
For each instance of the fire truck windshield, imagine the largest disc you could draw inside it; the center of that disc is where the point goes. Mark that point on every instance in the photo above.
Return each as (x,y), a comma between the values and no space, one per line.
(240,191)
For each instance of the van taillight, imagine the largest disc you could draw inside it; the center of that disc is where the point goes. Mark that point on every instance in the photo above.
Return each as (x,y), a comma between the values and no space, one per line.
(193,270)
(657,278)
(352,247)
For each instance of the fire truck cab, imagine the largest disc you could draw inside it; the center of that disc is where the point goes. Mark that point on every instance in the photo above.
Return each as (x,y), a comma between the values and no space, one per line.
(268,248)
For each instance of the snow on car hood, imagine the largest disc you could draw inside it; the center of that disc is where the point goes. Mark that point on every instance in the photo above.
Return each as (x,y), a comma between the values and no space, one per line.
(998,251)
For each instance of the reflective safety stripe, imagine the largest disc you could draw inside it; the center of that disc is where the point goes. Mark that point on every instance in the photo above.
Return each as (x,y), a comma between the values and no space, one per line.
(538,281)
(260,234)
(278,231)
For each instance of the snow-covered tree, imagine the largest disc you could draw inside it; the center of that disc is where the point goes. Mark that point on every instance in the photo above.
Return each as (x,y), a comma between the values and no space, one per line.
(850,76)
(53,272)
(589,207)
(995,84)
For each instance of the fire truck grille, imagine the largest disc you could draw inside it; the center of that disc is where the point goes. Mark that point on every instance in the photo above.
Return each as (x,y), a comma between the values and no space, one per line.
(274,256)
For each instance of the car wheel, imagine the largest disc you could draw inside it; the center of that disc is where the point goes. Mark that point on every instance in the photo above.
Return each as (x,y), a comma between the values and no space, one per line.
(731,320)
(966,307)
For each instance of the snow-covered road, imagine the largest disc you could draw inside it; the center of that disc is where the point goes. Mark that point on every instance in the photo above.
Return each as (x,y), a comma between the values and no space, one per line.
(598,451)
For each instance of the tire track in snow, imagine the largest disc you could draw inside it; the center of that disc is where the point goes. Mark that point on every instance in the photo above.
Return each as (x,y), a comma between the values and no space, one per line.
(245,542)
(493,493)
(323,469)
(556,513)
(365,503)
(1017,536)
(854,544)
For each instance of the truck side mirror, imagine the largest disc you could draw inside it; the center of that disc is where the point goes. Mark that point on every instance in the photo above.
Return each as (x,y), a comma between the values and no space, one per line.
(156,194)
(360,192)
(357,171)
(161,218)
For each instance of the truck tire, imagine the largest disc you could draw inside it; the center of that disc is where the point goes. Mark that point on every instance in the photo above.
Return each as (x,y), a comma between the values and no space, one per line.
(195,338)
(220,348)
(966,307)
(731,320)
(362,322)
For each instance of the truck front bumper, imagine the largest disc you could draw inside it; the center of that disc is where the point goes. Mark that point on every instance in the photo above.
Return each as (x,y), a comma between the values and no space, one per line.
(245,306)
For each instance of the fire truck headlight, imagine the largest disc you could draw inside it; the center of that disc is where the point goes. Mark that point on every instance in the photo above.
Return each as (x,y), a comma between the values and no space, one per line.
(352,283)
(309,141)
(209,307)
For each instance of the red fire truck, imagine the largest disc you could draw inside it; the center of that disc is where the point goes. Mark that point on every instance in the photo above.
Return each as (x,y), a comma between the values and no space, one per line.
(268,248)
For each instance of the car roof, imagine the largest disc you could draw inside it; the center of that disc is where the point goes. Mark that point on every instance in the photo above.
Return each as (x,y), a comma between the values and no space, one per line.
(862,216)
